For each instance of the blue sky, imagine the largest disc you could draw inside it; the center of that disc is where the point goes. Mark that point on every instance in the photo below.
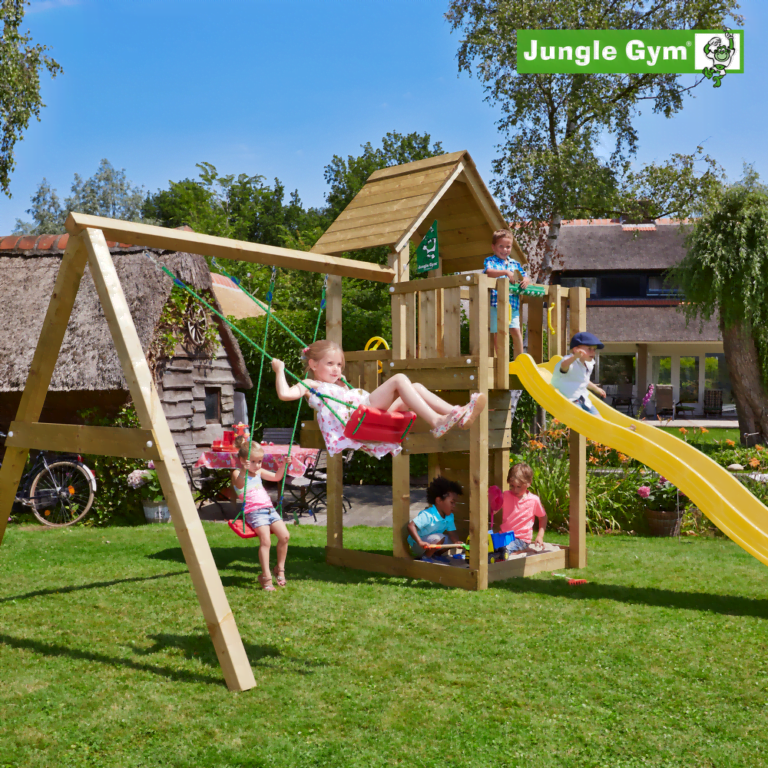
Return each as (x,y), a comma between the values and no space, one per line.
(278,88)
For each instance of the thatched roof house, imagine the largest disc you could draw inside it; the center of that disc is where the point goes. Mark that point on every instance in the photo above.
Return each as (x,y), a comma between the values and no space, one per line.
(634,312)
(194,385)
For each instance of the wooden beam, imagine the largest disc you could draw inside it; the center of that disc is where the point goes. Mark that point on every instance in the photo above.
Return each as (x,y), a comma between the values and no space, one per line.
(52,333)
(501,361)
(527,566)
(463,578)
(335,471)
(478,435)
(417,165)
(536,328)
(577,504)
(75,438)
(452,322)
(184,515)
(224,248)
(399,263)
(432,283)
(401,504)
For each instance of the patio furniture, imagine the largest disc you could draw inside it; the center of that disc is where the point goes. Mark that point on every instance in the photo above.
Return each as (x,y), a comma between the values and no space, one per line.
(624,397)
(309,491)
(206,483)
(665,401)
(713,403)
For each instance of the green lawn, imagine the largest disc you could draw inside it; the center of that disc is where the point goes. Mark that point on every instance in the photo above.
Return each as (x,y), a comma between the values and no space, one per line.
(695,435)
(660,660)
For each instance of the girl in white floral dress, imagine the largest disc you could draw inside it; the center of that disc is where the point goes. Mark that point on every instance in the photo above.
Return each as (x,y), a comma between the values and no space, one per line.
(325,359)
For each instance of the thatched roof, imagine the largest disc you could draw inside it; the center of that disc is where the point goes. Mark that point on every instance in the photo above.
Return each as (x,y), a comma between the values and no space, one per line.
(399,203)
(233,301)
(646,324)
(606,245)
(88,360)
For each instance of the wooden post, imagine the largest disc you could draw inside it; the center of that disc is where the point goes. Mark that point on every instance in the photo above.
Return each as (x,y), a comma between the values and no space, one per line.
(536,324)
(44,361)
(439,313)
(401,503)
(335,482)
(399,261)
(577,506)
(452,322)
(186,520)
(501,361)
(478,436)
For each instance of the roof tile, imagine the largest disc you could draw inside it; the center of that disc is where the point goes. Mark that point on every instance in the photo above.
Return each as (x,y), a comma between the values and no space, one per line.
(8,243)
(27,243)
(45,242)
(62,242)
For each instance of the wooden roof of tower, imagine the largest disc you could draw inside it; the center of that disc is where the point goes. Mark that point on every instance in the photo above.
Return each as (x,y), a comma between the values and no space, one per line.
(399,203)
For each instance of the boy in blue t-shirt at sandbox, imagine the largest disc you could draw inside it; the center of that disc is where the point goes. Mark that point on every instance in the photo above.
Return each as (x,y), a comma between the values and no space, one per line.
(435,524)
(571,376)
(501,264)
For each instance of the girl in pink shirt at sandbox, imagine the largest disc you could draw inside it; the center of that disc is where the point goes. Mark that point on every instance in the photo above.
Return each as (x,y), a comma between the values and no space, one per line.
(519,508)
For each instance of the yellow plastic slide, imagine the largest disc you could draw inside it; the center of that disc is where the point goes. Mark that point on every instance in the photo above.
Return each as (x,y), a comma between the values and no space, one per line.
(714,490)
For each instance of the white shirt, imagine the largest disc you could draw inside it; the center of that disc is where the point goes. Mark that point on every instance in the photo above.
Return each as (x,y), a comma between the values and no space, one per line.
(573,383)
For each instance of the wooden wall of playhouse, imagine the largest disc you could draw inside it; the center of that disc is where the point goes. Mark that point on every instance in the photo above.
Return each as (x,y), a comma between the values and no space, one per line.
(426,345)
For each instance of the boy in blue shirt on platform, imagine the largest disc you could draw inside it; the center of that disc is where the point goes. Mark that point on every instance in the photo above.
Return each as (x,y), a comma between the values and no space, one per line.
(435,525)
(501,264)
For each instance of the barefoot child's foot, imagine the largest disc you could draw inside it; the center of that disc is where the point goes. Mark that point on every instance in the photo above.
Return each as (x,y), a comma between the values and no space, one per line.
(472,410)
(448,421)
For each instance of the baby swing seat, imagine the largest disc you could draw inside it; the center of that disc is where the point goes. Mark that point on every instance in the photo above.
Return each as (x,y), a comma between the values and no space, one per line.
(370,425)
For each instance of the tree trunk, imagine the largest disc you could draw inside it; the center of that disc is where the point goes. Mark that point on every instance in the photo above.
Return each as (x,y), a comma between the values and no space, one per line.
(746,383)
(549,248)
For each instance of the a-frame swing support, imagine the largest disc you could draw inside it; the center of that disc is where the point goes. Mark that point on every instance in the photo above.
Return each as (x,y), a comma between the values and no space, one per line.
(88,246)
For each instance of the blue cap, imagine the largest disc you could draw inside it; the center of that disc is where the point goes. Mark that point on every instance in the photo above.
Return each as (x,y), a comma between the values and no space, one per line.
(586,339)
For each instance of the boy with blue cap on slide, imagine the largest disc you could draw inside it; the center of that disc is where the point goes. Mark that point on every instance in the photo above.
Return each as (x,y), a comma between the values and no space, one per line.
(571,376)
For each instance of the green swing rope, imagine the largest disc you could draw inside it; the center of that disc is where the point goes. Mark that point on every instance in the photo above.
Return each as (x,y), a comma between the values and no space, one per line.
(270,295)
(236,281)
(185,287)
(298,410)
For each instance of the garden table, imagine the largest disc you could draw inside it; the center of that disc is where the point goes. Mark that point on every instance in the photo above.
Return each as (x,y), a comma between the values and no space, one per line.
(301,459)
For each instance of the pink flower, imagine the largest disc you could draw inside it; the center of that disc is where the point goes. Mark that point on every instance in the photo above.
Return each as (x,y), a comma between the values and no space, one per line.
(644,491)
(662,480)
(150,464)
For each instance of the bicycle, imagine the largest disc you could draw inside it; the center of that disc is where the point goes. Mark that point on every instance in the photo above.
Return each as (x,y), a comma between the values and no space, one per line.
(59,493)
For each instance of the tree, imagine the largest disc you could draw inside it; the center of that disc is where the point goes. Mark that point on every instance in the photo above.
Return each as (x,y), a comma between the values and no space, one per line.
(107,193)
(20,67)
(551,166)
(725,273)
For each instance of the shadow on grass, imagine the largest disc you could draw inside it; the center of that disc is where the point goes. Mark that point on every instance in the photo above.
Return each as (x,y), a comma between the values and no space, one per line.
(727,605)
(92,585)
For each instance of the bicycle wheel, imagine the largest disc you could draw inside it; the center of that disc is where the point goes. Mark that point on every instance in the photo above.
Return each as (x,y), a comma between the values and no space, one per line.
(61,494)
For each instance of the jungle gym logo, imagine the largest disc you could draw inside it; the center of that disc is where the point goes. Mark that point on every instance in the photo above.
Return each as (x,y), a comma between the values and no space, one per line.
(712,53)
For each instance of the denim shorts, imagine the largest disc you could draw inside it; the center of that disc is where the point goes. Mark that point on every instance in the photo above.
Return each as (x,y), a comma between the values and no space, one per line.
(260,517)
(517,545)
(513,323)
(585,405)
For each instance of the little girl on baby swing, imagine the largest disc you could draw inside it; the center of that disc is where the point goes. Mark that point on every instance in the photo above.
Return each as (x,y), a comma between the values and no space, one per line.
(325,359)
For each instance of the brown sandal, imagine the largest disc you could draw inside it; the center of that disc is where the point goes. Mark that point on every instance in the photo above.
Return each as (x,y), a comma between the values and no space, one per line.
(266,583)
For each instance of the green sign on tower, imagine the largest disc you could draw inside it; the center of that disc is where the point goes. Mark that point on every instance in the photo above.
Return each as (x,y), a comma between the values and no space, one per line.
(427,253)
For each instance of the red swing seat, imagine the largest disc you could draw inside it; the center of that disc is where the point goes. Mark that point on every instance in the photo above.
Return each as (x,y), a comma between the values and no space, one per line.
(370,425)
(242,529)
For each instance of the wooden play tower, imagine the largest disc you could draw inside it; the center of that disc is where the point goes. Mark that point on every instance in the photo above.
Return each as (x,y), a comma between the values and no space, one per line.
(397,206)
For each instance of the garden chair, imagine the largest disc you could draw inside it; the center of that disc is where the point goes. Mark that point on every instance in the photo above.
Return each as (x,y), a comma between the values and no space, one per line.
(206,484)
(624,397)
(713,402)
(665,401)
(309,492)
(277,435)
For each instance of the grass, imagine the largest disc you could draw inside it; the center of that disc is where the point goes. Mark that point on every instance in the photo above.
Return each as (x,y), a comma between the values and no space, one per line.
(695,435)
(104,661)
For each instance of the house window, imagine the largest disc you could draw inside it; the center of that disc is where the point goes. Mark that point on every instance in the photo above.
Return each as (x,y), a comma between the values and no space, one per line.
(617,369)
(659,288)
(212,405)
(661,370)
(716,376)
(581,282)
(689,380)
(623,287)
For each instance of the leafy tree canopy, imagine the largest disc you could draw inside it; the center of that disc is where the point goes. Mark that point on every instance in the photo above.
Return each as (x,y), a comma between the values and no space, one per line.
(725,270)
(551,165)
(20,67)
(107,193)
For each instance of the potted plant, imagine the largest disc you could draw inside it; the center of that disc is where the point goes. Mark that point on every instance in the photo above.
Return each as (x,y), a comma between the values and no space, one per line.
(147,483)
(661,502)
